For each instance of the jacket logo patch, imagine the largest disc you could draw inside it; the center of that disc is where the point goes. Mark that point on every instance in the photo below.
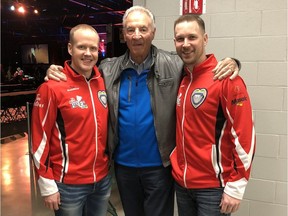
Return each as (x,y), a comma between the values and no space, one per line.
(72,88)
(37,102)
(78,102)
(102,98)
(198,96)
(238,101)
(179,99)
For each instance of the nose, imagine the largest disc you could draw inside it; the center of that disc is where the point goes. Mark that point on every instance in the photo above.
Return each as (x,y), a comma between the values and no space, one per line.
(137,34)
(186,42)
(87,52)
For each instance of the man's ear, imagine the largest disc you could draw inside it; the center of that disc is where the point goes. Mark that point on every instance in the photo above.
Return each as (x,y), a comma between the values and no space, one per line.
(69,48)
(154,32)
(205,39)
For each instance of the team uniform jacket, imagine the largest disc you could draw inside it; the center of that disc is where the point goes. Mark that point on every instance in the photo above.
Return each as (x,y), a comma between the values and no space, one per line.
(69,131)
(215,136)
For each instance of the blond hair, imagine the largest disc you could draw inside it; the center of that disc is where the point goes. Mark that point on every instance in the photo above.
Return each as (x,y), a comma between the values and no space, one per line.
(83,27)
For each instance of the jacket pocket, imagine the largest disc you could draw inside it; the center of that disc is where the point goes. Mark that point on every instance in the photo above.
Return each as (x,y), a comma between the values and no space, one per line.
(166,82)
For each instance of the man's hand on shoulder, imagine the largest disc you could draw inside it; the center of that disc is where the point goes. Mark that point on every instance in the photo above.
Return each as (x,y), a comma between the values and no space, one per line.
(225,68)
(55,72)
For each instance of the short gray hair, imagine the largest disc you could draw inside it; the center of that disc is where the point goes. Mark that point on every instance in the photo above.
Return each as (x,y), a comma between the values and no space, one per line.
(140,9)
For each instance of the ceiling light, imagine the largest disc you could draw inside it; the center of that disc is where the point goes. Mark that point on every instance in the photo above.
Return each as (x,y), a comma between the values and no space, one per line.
(21,9)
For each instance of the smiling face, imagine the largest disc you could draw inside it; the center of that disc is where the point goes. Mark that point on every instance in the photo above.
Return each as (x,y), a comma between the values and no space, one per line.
(190,41)
(83,48)
(138,33)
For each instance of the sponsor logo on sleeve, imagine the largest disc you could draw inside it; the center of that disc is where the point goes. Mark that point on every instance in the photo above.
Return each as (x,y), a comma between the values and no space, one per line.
(37,102)
(238,101)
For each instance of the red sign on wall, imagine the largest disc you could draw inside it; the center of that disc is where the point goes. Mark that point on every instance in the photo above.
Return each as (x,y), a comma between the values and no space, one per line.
(192,6)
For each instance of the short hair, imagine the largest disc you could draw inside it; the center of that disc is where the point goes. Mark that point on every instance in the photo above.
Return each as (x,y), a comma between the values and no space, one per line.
(80,26)
(189,17)
(139,9)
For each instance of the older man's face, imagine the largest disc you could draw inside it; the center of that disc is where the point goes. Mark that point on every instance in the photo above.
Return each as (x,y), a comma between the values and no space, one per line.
(138,34)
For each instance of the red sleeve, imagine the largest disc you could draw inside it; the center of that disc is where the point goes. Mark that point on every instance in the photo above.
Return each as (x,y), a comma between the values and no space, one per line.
(237,108)
(43,120)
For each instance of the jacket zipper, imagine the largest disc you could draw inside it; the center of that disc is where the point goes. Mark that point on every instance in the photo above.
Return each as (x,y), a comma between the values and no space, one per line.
(96,132)
(130,87)
(182,128)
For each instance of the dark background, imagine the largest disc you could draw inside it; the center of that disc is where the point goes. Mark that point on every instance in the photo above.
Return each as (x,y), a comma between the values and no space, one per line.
(27,38)
(51,26)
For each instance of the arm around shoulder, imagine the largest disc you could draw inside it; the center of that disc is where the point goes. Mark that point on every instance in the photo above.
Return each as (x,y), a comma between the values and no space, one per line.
(55,72)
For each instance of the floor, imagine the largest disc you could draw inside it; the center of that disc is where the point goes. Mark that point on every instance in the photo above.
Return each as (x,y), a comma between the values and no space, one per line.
(17,188)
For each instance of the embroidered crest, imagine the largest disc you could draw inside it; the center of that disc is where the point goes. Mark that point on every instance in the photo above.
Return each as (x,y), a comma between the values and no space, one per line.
(198,96)
(102,98)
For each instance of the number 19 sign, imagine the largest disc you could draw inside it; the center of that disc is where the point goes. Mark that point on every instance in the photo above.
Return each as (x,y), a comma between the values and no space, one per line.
(192,6)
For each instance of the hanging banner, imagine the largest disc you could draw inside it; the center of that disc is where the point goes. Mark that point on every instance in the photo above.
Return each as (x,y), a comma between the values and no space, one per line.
(192,6)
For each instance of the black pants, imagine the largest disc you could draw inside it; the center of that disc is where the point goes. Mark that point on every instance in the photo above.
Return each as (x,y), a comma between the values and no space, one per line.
(146,191)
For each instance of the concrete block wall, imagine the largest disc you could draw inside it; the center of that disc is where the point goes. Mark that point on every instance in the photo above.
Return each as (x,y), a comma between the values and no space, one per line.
(255,32)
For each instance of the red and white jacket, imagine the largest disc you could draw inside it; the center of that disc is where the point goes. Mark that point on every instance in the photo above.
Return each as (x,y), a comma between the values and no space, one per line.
(215,136)
(69,131)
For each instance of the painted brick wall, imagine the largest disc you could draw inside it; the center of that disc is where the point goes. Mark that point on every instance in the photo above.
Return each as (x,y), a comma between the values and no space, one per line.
(255,32)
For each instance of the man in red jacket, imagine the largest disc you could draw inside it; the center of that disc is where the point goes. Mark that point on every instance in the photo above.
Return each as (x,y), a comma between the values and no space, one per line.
(71,160)
(215,136)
